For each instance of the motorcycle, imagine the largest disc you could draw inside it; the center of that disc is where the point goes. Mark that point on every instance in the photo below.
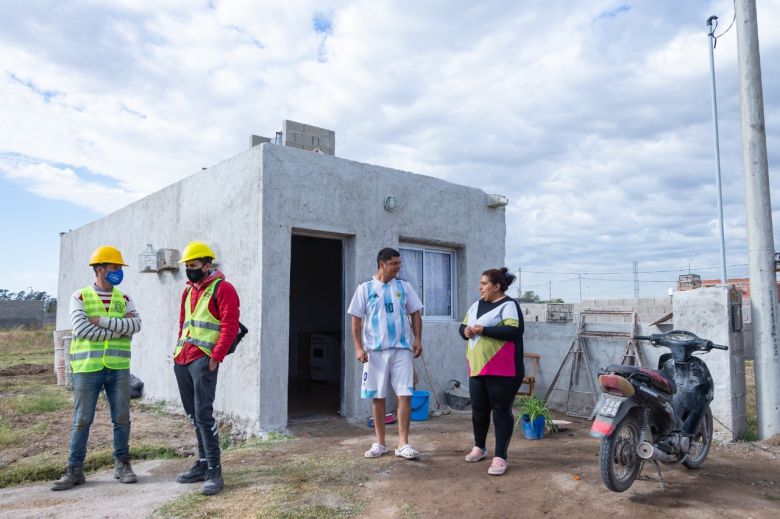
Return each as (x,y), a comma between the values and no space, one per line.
(655,415)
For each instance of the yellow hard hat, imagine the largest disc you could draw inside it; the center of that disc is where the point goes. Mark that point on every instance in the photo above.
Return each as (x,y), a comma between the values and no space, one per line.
(196,250)
(107,254)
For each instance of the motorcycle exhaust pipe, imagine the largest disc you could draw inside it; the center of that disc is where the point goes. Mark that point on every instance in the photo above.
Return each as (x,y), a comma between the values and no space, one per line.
(648,451)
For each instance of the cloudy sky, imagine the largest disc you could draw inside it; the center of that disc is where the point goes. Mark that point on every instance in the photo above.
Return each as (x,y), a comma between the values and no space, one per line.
(593,118)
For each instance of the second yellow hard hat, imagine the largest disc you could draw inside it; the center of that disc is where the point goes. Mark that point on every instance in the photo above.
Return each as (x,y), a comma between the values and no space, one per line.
(195,250)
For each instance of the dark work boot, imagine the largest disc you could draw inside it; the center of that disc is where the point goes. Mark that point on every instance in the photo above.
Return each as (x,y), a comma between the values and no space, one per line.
(214,482)
(123,471)
(195,474)
(73,476)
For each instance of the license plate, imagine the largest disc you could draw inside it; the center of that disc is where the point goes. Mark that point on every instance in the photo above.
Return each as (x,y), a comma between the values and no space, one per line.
(608,405)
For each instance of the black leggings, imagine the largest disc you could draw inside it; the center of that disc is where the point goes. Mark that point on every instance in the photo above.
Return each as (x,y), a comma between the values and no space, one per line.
(491,393)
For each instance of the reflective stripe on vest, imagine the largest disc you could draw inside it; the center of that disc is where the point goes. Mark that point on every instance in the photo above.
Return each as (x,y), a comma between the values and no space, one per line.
(87,356)
(200,327)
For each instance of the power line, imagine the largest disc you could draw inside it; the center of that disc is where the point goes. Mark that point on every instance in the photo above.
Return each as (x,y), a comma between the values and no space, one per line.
(685,269)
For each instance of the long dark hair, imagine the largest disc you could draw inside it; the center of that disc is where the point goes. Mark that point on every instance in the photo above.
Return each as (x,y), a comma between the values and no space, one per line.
(501,276)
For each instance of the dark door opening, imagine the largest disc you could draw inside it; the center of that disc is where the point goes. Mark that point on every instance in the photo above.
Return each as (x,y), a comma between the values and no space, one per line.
(316,335)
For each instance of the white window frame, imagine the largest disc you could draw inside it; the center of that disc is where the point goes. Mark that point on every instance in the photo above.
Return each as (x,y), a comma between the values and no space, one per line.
(453,270)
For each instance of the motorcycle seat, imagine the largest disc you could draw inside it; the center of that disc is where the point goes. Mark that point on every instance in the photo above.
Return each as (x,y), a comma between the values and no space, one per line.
(655,378)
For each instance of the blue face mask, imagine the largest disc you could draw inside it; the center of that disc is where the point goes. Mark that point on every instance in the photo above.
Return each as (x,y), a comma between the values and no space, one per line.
(115,277)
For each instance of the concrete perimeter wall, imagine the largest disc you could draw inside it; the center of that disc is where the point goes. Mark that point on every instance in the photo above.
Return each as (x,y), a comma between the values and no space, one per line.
(28,314)
(704,312)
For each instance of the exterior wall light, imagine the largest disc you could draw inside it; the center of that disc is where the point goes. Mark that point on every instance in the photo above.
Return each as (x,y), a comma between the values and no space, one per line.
(391,204)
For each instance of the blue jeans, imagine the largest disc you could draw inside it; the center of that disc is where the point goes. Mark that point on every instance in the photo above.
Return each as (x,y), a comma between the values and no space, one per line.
(86,389)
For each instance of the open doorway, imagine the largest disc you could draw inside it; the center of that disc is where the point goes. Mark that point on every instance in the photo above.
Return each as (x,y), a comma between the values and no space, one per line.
(316,335)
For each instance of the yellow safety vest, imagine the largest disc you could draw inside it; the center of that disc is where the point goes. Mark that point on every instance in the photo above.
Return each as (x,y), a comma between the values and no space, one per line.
(200,327)
(87,356)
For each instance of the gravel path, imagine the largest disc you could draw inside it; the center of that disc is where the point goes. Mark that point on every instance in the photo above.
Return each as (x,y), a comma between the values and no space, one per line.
(101,497)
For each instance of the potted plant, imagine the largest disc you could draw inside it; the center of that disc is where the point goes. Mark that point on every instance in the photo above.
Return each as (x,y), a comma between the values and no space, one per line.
(535,417)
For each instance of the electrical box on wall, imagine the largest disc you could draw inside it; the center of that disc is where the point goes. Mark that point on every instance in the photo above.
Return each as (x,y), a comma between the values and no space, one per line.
(168,259)
(147,260)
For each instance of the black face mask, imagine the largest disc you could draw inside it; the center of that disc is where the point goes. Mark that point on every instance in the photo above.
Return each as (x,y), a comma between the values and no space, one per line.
(195,275)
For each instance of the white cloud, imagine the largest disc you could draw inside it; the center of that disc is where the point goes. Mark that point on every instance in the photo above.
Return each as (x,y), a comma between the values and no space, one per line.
(594,118)
(64,184)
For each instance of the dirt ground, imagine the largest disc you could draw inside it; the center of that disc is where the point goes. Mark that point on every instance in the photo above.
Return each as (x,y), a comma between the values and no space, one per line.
(318,469)
(320,472)
(151,426)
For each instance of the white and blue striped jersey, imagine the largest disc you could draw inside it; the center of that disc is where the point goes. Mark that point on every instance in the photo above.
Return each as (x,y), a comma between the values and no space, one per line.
(385,310)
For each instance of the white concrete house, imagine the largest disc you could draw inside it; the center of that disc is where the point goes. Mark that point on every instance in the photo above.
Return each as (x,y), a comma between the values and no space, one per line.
(296,231)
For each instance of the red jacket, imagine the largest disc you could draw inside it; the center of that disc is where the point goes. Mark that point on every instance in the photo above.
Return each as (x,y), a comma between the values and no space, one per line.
(228,303)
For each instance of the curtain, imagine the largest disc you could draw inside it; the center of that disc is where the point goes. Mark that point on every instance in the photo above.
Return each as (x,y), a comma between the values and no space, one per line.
(412,269)
(438,283)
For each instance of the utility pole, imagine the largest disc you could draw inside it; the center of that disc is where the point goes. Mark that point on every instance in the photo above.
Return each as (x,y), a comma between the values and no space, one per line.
(711,45)
(549,285)
(579,278)
(519,282)
(763,287)
(636,279)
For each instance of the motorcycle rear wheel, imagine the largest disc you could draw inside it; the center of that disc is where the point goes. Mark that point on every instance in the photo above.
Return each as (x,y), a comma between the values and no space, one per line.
(618,459)
(701,442)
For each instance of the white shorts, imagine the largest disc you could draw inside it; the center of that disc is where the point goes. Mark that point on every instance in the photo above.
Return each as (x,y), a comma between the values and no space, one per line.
(394,366)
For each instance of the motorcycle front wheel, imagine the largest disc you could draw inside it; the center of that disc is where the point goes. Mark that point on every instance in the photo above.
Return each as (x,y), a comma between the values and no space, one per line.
(701,442)
(618,460)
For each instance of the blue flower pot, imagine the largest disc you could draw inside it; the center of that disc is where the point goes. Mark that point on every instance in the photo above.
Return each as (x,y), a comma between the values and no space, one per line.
(533,430)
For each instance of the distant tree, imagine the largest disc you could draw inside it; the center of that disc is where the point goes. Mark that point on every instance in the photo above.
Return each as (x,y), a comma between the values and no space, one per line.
(49,302)
(556,300)
(529,297)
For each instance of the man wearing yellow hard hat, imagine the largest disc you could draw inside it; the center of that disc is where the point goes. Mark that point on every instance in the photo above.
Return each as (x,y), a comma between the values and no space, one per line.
(208,326)
(104,319)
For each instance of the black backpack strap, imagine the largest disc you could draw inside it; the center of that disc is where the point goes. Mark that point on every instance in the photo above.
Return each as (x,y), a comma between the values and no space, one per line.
(214,295)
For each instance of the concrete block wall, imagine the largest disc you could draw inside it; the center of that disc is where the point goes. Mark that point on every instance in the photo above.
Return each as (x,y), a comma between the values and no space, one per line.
(308,137)
(547,312)
(648,309)
(27,314)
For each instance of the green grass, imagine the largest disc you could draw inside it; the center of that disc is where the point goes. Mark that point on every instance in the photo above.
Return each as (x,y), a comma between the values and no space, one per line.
(33,430)
(158,407)
(292,487)
(408,511)
(10,437)
(18,436)
(751,434)
(19,346)
(42,403)
(48,466)
(255,442)
(318,511)
(32,399)
(184,507)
